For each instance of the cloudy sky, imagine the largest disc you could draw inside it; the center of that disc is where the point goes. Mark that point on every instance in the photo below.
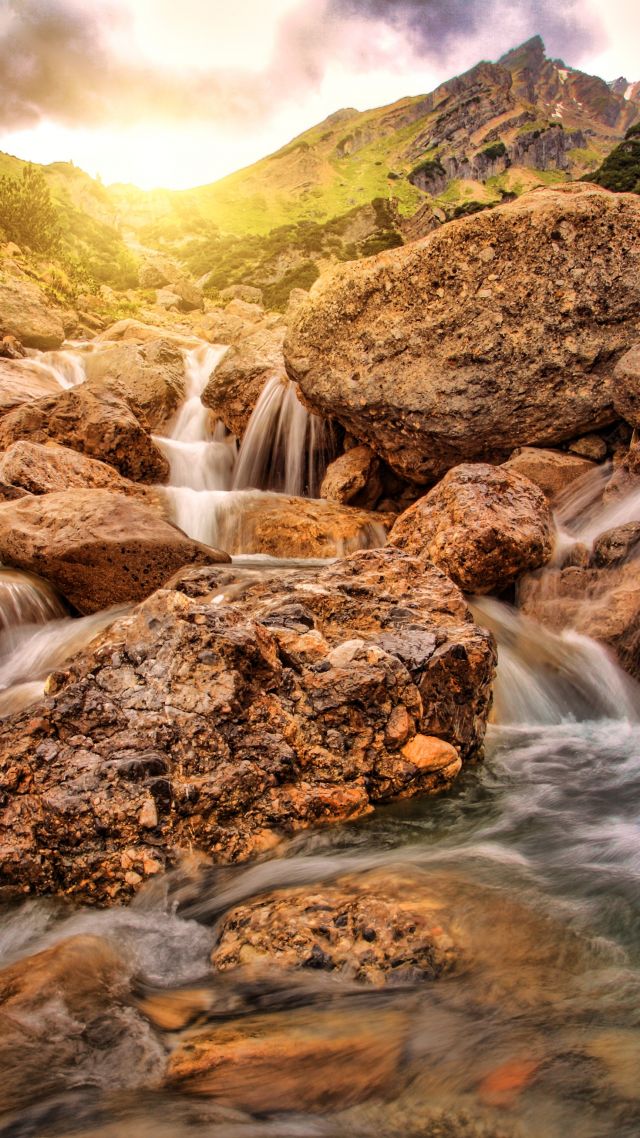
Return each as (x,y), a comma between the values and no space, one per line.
(180,92)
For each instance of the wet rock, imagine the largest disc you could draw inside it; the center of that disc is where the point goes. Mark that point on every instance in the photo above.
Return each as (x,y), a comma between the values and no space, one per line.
(210,705)
(616,545)
(626,474)
(592,447)
(354,478)
(235,385)
(283,526)
(317,1060)
(25,314)
(45,468)
(142,333)
(56,1006)
(433,355)
(21,382)
(627,380)
(98,548)
(11,349)
(149,377)
(482,525)
(370,929)
(551,470)
(96,423)
(601,603)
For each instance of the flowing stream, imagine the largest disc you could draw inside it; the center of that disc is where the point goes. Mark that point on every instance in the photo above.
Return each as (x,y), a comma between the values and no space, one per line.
(533,859)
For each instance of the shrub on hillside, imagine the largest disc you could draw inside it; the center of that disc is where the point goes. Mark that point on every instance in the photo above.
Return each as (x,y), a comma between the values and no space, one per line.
(27,213)
(620,170)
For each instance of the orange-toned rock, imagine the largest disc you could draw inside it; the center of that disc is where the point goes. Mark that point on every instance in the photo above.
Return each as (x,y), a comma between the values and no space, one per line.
(314,1059)
(482,525)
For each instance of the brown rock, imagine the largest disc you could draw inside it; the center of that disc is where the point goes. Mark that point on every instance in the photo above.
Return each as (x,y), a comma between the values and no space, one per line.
(234,387)
(283,526)
(592,447)
(615,546)
(149,377)
(319,1060)
(626,475)
(551,470)
(371,929)
(98,548)
(601,603)
(482,525)
(627,382)
(45,468)
(353,478)
(96,423)
(53,1004)
(432,355)
(22,381)
(25,314)
(142,333)
(247,293)
(11,349)
(196,700)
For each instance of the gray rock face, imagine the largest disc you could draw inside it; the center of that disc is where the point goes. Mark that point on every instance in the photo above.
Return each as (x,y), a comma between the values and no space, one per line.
(482,525)
(292,701)
(496,331)
(25,314)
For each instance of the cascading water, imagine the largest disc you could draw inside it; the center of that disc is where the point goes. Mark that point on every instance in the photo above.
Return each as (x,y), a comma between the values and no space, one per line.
(284,447)
(217,494)
(532,861)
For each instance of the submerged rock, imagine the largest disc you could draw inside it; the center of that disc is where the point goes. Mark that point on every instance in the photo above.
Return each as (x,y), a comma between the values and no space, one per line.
(97,547)
(482,525)
(96,423)
(498,331)
(363,929)
(21,382)
(244,710)
(67,1020)
(303,1060)
(603,603)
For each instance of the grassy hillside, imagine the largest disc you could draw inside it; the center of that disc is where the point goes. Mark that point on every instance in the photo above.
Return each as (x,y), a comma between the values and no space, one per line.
(620,170)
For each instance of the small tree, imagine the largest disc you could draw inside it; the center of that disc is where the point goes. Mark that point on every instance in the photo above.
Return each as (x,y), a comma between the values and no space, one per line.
(27,213)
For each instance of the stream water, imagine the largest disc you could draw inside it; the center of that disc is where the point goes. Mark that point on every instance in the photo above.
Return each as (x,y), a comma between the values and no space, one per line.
(533,857)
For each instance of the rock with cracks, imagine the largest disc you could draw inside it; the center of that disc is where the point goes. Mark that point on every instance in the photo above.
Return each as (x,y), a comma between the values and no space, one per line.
(98,548)
(499,330)
(228,711)
(482,525)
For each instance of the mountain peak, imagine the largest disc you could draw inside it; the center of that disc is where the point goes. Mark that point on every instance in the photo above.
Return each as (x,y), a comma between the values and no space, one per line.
(530,55)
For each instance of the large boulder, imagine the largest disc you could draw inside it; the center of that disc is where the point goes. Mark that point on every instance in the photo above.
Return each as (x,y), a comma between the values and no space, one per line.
(96,423)
(603,603)
(231,709)
(46,468)
(142,333)
(97,547)
(25,314)
(21,381)
(497,331)
(482,525)
(234,388)
(148,376)
(551,470)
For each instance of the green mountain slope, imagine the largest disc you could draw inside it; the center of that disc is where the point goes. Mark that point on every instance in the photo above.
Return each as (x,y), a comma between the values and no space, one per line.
(620,170)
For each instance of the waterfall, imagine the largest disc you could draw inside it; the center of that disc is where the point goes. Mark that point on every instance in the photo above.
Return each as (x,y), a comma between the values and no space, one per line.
(284,448)
(36,636)
(200,455)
